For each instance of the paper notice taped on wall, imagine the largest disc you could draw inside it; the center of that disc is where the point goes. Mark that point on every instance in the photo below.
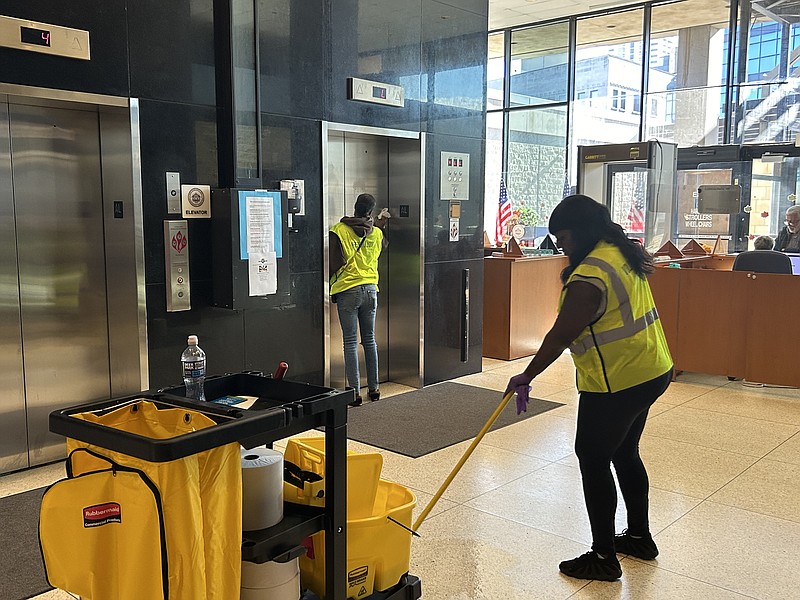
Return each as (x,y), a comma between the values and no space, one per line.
(263,273)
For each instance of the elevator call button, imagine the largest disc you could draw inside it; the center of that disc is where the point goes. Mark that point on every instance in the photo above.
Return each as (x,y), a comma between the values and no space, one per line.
(454,180)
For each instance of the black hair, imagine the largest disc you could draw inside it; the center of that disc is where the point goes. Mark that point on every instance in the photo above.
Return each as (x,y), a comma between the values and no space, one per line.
(590,222)
(365,203)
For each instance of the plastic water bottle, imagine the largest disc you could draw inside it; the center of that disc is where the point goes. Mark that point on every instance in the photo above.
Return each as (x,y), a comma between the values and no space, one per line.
(193,360)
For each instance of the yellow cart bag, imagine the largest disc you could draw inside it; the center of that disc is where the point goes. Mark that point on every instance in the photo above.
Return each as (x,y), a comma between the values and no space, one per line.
(201,497)
(102,534)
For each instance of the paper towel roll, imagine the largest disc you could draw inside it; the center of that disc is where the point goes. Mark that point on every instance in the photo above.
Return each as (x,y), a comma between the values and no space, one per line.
(287,591)
(262,488)
(269,574)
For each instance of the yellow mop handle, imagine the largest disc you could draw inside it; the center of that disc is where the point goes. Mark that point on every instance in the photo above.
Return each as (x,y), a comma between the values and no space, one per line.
(464,458)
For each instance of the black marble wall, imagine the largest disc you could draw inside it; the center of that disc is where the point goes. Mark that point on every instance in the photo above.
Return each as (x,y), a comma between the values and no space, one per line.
(454,71)
(162,53)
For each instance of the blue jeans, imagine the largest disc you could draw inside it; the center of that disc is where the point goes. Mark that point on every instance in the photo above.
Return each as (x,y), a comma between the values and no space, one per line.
(357,307)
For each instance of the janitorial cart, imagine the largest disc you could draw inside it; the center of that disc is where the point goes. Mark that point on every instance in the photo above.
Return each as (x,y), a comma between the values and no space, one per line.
(155,432)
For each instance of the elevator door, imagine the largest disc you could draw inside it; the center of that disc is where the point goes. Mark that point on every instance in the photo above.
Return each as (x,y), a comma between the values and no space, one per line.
(390,169)
(363,163)
(54,303)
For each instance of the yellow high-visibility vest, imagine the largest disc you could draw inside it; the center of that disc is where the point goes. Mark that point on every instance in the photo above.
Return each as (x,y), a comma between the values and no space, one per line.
(361,264)
(625,346)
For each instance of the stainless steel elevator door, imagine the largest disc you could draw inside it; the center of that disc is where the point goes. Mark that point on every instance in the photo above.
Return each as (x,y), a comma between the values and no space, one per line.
(13,436)
(359,164)
(57,190)
(389,168)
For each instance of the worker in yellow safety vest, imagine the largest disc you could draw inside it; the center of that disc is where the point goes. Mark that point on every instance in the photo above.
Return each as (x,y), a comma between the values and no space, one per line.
(355,244)
(609,321)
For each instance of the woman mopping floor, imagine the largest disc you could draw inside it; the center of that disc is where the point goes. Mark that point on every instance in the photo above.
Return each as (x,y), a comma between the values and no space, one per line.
(609,321)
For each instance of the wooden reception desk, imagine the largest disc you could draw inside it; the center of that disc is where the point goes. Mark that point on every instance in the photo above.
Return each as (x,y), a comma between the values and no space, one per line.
(717,321)
(520,303)
(731,323)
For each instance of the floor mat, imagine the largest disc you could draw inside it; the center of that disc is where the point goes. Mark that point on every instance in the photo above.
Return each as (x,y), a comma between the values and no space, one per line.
(435,417)
(23,570)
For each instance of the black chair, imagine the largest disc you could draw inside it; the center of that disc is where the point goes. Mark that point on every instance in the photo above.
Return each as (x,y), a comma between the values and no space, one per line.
(763,261)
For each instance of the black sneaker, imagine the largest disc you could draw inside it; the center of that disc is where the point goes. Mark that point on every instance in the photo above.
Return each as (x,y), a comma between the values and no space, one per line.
(357,402)
(641,547)
(591,566)
(374,396)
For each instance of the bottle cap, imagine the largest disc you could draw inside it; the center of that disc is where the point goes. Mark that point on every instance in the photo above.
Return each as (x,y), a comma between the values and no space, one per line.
(192,341)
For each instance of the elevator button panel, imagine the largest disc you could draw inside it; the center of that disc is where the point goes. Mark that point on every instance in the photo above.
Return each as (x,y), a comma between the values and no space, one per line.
(176,254)
(454,176)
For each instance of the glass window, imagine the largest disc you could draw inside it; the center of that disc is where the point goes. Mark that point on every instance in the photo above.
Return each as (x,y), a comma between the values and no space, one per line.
(767,109)
(244,90)
(536,160)
(493,170)
(688,46)
(686,117)
(495,71)
(794,51)
(767,113)
(603,68)
(686,80)
(539,69)
(773,189)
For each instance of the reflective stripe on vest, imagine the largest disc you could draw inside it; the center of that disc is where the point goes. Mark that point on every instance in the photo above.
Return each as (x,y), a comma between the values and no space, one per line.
(630,326)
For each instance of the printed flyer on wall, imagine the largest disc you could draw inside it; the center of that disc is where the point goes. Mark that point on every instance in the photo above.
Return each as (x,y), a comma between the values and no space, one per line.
(260,238)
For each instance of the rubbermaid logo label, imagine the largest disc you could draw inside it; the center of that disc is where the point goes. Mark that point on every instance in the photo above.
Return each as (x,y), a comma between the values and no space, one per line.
(357,576)
(101,514)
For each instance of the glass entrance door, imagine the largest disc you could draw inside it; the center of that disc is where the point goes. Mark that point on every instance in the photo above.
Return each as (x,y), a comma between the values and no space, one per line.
(693,225)
(627,198)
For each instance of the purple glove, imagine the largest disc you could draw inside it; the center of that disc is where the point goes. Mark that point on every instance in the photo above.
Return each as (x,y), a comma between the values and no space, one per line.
(521,385)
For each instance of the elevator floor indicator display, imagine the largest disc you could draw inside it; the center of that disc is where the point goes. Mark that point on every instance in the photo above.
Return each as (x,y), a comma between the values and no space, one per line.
(34,36)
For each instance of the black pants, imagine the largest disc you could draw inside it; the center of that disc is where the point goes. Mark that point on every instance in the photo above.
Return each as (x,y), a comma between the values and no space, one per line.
(609,429)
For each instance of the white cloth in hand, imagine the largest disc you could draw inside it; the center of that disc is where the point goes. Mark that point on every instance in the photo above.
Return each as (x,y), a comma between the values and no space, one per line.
(384,214)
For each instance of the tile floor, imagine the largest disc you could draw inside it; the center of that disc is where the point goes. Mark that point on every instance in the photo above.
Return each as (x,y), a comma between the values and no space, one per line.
(724,464)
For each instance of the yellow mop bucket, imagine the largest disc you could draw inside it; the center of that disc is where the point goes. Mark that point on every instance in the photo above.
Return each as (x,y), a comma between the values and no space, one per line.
(378,546)
(304,460)
(378,513)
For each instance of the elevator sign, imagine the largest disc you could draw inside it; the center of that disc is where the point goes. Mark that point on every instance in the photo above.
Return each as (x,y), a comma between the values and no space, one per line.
(196,201)
(34,36)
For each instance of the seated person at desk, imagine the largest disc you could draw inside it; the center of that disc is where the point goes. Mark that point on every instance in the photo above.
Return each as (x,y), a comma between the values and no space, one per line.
(789,237)
(763,242)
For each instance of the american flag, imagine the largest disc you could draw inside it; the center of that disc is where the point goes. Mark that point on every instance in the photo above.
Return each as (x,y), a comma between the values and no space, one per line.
(503,213)
(567,187)
(636,215)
